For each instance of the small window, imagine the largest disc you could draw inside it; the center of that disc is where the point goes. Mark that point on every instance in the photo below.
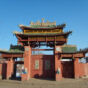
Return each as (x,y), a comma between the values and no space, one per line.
(36,64)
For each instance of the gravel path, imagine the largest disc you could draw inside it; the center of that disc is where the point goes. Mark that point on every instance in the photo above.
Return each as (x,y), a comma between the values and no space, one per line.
(37,83)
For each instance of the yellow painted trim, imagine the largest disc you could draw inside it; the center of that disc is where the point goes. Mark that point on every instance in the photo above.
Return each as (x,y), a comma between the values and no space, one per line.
(44,31)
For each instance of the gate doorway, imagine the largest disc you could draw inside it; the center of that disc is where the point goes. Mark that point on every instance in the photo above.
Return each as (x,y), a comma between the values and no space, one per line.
(43,62)
(17,68)
(43,66)
(67,68)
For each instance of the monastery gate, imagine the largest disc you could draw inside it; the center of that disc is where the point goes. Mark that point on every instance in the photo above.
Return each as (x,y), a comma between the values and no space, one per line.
(63,63)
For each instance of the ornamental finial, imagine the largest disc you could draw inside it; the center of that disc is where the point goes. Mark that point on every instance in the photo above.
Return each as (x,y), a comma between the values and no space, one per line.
(42,20)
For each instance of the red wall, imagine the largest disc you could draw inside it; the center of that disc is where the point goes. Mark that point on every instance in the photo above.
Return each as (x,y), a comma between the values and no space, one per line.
(0,70)
(10,67)
(83,69)
(41,72)
(80,69)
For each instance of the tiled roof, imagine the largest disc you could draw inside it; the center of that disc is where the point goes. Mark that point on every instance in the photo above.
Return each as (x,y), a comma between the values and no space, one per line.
(73,49)
(69,49)
(13,49)
(40,27)
(16,48)
(42,34)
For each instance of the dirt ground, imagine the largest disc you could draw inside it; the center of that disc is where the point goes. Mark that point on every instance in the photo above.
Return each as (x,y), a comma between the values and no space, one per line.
(38,83)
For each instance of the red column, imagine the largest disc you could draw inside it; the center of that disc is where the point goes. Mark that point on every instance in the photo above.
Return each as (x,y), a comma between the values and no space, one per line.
(10,66)
(0,70)
(58,72)
(76,68)
(27,63)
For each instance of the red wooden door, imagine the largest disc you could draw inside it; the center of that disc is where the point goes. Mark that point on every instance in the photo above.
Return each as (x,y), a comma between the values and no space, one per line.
(67,69)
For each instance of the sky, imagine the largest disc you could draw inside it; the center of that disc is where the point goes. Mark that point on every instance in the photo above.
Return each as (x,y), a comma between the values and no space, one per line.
(72,12)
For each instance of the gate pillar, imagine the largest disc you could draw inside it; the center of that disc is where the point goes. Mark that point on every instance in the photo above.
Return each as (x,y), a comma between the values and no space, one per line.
(10,66)
(76,67)
(26,74)
(58,72)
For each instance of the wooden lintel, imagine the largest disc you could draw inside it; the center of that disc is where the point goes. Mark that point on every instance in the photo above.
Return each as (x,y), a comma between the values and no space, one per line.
(8,55)
(42,40)
(72,55)
(67,55)
(42,49)
(79,55)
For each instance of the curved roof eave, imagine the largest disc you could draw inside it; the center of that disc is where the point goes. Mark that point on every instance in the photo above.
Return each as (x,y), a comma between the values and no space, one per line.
(29,27)
(44,34)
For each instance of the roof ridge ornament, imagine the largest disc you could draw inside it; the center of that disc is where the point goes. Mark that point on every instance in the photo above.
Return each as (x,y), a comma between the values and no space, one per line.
(42,23)
(43,20)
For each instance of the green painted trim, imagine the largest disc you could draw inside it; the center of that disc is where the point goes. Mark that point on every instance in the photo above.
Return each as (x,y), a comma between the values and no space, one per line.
(69,49)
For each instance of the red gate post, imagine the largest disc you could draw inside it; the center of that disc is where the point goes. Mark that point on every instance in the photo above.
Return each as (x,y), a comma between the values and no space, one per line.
(76,67)
(58,72)
(0,70)
(27,64)
(10,64)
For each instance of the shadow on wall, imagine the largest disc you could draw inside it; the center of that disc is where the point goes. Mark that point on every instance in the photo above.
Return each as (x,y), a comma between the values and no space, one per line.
(37,76)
